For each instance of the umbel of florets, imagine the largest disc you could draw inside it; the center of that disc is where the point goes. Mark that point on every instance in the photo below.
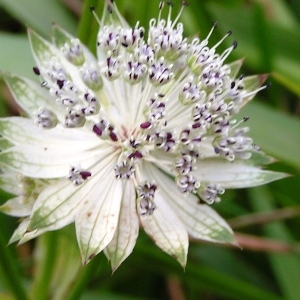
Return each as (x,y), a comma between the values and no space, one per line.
(144,134)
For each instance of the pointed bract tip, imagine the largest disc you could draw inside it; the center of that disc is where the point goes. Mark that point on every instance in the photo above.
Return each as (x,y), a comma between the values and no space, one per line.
(114,269)
(85,261)
(181,259)
(236,244)
(262,78)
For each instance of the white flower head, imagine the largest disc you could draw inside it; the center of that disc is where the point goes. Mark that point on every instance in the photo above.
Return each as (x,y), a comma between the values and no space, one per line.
(144,134)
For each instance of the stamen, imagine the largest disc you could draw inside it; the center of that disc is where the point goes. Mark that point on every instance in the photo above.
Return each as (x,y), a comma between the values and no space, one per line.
(187,184)
(161,6)
(257,90)
(74,119)
(134,72)
(78,176)
(47,119)
(112,70)
(165,141)
(209,193)
(145,125)
(205,41)
(222,39)
(73,52)
(159,74)
(124,170)
(92,9)
(144,54)
(145,192)
(184,164)
(146,207)
(184,4)
(36,71)
(91,76)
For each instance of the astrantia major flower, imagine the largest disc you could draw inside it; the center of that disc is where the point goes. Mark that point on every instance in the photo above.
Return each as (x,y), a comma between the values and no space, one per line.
(144,134)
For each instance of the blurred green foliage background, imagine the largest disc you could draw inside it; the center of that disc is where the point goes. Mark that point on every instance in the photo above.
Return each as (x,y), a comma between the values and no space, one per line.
(266,219)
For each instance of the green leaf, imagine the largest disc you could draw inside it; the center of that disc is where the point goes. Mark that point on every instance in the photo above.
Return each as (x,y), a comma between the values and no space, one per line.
(11,271)
(201,278)
(286,267)
(281,41)
(276,133)
(16,55)
(40,14)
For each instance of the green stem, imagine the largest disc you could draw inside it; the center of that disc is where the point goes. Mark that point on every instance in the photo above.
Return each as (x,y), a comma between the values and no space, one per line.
(81,282)
(45,265)
(11,272)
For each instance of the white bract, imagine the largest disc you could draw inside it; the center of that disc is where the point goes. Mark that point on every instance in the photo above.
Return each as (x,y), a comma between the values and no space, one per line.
(144,134)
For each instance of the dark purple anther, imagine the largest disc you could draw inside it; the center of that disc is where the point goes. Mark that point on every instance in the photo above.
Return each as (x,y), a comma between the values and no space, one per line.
(36,71)
(113,137)
(197,140)
(145,125)
(196,125)
(217,151)
(169,135)
(138,154)
(60,83)
(85,174)
(97,130)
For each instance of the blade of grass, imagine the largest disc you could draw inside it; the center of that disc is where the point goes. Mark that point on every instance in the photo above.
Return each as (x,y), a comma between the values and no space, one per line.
(16,55)
(280,135)
(39,15)
(45,262)
(285,49)
(11,272)
(202,277)
(88,26)
(286,267)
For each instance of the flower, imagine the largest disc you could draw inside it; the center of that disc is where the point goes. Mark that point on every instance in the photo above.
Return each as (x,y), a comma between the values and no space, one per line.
(143,134)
